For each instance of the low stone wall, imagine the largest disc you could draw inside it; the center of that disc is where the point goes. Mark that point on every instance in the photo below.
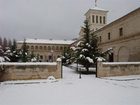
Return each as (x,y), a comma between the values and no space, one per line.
(28,71)
(105,69)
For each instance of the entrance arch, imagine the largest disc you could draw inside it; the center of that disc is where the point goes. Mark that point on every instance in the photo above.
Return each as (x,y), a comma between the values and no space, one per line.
(123,54)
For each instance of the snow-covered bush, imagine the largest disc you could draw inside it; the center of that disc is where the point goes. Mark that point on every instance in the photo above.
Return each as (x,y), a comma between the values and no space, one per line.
(2,59)
(51,79)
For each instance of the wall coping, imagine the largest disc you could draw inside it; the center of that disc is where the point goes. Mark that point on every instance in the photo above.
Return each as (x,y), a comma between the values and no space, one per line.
(121,63)
(28,63)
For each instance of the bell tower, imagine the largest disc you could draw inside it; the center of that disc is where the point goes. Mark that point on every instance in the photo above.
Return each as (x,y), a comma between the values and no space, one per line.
(96,17)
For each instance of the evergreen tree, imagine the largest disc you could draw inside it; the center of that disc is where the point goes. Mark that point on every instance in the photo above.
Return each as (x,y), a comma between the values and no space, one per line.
(9,43)
(24,50)
(33,58)
(5,43)
(14,45)
(87,50)
(0,41)
(66,57)
(15,52)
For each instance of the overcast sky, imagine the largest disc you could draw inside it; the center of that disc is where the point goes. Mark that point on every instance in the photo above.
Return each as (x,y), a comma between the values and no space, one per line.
(56,19)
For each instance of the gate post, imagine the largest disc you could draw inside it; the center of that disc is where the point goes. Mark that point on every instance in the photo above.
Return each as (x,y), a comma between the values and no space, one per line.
(98,66)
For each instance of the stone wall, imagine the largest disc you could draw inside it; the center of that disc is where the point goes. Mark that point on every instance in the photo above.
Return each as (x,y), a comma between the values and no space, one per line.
(28,71)
(117,69)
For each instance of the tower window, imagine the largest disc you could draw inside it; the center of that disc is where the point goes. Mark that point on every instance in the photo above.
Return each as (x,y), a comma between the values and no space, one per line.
(100,19)
(104,20)
(96,19)
(92,18)
(121,31)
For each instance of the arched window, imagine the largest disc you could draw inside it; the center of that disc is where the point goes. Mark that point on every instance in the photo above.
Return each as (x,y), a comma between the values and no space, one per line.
(36,47)
(32,47)
(61,48)
(40,47)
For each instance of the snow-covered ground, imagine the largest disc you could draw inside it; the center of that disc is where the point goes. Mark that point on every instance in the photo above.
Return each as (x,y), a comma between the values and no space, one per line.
(72,91)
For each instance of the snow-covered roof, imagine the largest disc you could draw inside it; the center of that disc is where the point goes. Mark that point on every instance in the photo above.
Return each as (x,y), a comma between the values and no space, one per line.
(95,9)
(100,9)
(47,41)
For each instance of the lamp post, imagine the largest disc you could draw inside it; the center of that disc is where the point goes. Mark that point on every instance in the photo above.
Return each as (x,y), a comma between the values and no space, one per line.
(79,69)
(80,74)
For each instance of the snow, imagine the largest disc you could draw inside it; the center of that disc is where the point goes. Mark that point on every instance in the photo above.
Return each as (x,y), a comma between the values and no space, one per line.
(58,60)
(100,9)
(99,60)
(90,60)
(2,59)
(84,50)
(34,59)
(51,79)
(87,44)
(28,63)
(72,91)
(79,43)
(121,63)
(73,48)
(47,41)
(82,56)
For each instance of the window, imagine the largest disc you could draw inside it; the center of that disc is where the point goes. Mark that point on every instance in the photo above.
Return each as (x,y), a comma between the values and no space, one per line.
(104,20)
(36,47)
(100,19)
(40,47)
(92,18)
(61,48)
(49,48)
(100,38)
(44,47)
(109,36)
(96,19)
(121,31)
(41,56)
(32,47)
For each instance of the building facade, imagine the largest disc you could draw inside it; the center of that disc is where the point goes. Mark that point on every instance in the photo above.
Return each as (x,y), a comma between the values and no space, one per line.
(46,50)
(122,35)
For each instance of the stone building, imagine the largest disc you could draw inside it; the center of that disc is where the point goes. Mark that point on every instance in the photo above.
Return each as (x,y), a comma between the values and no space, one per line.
(47,50)
(122,35)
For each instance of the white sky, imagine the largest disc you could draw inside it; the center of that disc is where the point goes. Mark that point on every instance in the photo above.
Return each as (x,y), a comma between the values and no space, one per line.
(57,19)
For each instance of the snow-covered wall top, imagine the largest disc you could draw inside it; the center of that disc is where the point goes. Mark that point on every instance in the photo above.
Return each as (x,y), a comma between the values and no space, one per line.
(28,63)
(47,41)
(120,63)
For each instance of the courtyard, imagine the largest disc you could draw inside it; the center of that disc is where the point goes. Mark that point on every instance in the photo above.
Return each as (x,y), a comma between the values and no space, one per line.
(72,91)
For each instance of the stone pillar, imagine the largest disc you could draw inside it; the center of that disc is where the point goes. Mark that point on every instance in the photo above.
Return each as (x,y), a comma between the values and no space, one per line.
(99,67)
(59,67)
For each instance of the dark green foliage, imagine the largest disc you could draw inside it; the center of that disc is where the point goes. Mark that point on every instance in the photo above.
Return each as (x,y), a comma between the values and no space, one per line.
(24,50)
(87,51)
(66,57)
